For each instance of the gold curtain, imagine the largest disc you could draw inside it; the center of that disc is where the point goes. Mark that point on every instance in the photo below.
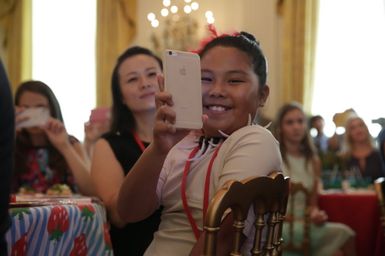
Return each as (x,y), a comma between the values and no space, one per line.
(15,45)
(299,19)
(115,30)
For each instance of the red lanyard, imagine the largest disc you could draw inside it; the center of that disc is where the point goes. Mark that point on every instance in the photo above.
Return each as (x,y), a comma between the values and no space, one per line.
(138,141)
(186,208)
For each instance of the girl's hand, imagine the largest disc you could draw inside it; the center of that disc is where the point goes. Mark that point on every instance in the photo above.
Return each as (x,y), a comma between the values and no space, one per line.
(165,133)
(56,133)
(19,118)
(318,216)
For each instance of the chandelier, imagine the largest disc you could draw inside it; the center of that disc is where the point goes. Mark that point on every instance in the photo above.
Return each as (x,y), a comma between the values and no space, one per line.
(176,26)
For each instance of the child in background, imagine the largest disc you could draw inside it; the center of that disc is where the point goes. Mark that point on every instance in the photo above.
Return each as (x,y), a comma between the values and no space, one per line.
(45,155)
(302,165)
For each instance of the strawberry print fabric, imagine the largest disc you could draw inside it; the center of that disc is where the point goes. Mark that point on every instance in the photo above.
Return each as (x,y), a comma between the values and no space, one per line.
(71,230)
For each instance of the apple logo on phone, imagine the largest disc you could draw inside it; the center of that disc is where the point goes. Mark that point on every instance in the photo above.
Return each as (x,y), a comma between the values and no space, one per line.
(182,71)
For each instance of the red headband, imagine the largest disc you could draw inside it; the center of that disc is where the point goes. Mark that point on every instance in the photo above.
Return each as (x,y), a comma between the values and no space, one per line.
(214,34)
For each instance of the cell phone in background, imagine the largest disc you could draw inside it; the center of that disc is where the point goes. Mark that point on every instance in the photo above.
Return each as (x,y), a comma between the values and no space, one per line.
(100,115)
(36,117)
(182,74)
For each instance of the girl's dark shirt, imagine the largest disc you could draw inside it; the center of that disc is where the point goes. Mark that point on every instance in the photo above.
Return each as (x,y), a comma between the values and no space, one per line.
(134,238)
(374,166)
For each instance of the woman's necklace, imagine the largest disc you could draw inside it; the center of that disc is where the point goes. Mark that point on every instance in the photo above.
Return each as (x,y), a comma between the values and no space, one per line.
(138,140)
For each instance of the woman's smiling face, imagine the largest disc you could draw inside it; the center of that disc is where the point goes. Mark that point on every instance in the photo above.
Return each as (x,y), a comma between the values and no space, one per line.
(230,88)
(138,82)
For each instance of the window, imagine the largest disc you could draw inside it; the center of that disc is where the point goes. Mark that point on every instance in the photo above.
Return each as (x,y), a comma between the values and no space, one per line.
(63,56)
(350,60)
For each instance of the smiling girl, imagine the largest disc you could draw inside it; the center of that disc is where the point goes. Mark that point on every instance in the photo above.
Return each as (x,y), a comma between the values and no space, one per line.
(175,170)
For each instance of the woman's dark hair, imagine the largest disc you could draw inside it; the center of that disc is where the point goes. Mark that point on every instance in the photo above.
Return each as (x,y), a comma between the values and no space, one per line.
(308,148)
(122,117)
(246,43)
(23,141)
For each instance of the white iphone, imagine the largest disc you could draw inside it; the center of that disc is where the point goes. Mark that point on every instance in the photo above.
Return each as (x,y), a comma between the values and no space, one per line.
(36,117)
(182,74)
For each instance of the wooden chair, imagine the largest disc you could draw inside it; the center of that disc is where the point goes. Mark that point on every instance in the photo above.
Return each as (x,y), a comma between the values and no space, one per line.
(379,186)
(297,189)
(268,195)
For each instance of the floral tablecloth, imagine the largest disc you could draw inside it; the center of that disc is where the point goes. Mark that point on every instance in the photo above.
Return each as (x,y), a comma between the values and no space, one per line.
(61,229)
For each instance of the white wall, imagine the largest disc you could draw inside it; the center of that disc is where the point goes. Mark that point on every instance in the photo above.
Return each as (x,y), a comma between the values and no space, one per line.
(258,17)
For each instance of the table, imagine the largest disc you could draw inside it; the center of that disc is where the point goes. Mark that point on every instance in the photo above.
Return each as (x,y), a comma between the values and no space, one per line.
(61,227)
(361,212)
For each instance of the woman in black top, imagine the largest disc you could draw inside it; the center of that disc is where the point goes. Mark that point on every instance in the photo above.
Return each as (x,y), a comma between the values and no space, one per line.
(134,83)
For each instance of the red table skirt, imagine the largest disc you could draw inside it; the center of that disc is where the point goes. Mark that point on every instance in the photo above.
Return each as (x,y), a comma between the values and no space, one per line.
(361,212)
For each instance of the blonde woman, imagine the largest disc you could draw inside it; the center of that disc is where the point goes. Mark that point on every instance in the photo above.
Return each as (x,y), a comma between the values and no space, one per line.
(359,152)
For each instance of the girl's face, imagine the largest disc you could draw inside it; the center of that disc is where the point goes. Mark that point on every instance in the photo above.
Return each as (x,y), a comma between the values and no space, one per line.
(293,126)
(230,88)
(357,130)
(33,100)
(138,82)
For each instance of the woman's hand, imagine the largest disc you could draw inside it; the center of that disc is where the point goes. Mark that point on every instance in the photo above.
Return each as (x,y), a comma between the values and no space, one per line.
(93,131)
(318,216)
(56,133)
